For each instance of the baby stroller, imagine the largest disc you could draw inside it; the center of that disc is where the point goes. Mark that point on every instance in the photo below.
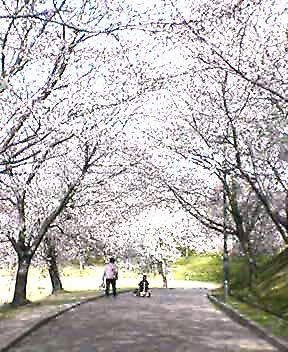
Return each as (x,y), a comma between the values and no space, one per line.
(145,293)
(143,288)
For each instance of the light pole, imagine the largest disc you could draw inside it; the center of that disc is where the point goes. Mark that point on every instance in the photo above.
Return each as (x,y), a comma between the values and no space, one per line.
(225,235)
(225,247)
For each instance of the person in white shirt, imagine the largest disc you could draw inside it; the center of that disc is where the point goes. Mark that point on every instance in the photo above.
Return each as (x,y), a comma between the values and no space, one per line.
(111,275)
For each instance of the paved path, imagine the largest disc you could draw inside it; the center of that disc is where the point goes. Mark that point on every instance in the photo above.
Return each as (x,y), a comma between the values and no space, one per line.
(174,320)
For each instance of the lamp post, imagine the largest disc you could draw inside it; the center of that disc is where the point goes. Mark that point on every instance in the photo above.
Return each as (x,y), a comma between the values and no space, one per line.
(225,235)
(225,247)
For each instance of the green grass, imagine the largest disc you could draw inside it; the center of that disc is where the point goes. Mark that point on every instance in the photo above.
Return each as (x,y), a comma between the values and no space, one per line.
(39,284)
(266,301)
(73,280)
(270,287)
(64,297)
(50,302)
(269,291)
(199,268)
(275,325)
(209,267)
(7,311)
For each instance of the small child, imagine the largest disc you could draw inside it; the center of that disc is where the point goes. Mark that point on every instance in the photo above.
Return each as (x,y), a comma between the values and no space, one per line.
(143,289)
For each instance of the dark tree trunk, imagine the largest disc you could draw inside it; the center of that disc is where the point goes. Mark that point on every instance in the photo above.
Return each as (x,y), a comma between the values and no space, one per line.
(54,276)
(165,283)
(20,298)
(51,259)
(251,262)
(252,271)
(163,273)
(82,263)
(83,259)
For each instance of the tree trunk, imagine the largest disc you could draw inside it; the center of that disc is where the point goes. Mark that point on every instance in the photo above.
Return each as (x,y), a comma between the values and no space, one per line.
(82,259)
(20,298)
(81,263)
(54,276)
(252,271)
(163,273)
(251,263)
(51,259)
(165,283)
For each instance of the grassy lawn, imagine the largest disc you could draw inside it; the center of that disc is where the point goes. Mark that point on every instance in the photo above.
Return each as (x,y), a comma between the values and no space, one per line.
(199,268)
(48,303)
(262,303)
(274,324)
(78,286)
(89,280)
(8,311)
(39,285)
(209,267)
(270,287)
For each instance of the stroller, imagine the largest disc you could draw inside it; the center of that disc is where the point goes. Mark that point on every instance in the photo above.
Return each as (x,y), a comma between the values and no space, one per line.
(143,288)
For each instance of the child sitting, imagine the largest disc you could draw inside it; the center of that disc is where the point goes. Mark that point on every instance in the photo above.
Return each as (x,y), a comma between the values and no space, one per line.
(143,289)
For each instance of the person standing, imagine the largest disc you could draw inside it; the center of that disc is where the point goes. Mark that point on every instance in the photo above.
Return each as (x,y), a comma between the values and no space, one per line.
(111,275)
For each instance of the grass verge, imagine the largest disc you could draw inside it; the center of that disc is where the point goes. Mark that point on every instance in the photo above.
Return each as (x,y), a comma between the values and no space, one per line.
(266,303)
(55,300)
(60,299)
(199,268)
(272,323)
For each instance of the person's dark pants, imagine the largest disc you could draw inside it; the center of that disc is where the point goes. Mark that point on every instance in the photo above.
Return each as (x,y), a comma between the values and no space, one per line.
(113,283)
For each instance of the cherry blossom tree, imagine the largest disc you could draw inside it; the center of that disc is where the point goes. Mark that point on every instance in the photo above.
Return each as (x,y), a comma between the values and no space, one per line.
(220,115)
(198,95)
(61,75)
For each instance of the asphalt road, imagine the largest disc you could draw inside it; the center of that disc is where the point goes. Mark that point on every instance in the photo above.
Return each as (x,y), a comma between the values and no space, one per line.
(171,320)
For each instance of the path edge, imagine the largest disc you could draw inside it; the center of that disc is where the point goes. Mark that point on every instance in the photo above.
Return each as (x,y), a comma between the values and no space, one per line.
(50,317)
(243,320)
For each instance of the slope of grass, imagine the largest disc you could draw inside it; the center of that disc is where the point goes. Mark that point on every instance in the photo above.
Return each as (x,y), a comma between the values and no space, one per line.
(271,286)
(277,326)
(199,268)
(269,290)
(266,302)
(209,267)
